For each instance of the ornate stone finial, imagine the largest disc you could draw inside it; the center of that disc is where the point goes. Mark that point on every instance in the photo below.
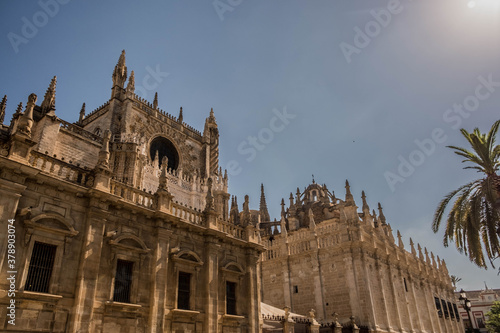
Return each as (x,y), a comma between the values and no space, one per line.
(103,160)
(433,260)
(49,100)
(412,247)
(131,83)
(120,71)
(16,116)
(365,205)
(375,220)
(349,199)
(263,212)
(381,214)
(291,199)
(3,105)
(313,179)
(225,174)
(420,255)
(162,183)
(427,259)
(353,322)
(82,114)
(211,118)
(181,116)
(282,206)
(312,224)
(26,120)
(155,101)
(400,240)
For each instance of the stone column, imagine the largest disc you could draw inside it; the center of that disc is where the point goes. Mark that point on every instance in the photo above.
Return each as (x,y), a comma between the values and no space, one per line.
(253,292)
(212,282)
(159,270)
(88,270)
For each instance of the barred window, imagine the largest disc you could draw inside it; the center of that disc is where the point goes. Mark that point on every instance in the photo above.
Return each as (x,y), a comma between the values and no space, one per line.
(445,308)
(230,298)
(123,281)
(184,291)
(40,268)
(450,308)
(438,306)
(456,312)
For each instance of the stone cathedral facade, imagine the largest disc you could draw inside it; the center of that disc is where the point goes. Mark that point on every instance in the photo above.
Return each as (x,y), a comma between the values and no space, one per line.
(325,255)
(121,222)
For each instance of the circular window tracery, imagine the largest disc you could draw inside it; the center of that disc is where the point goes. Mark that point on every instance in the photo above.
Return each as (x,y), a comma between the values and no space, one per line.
(164,147)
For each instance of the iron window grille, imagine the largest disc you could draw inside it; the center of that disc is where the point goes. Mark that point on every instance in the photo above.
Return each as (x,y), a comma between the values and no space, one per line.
(40,268)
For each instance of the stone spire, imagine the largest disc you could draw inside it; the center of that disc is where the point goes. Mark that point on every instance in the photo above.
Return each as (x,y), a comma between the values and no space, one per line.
(412,247)
(49,100)
(375,220)
(3,104)
(348,196)
(211,118)
(82,114)
(120,73)
(420,255)
(131,83)
(381,214)
(211,139)
(180,119)
(155,101)
(427,259)
(433,259)
(263,212)
(400,240)
(291,199)
(365,205)
(15,117)
(234,213)
(283,206)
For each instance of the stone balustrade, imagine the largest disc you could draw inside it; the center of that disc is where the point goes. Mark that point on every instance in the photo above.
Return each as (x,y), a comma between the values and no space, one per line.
(231,229)
(128,193)
(60,169)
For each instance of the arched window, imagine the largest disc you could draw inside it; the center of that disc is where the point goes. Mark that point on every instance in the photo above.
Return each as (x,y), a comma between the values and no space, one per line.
(164,147)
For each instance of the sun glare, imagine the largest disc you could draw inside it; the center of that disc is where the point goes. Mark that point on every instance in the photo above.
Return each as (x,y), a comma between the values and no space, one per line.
(486,4)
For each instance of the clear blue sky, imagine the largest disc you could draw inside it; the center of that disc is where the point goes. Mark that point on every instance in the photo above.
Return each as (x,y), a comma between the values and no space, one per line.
(360,100)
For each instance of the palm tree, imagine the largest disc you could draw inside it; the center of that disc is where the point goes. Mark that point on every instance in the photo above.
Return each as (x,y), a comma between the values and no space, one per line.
(454,280)
(473,222)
